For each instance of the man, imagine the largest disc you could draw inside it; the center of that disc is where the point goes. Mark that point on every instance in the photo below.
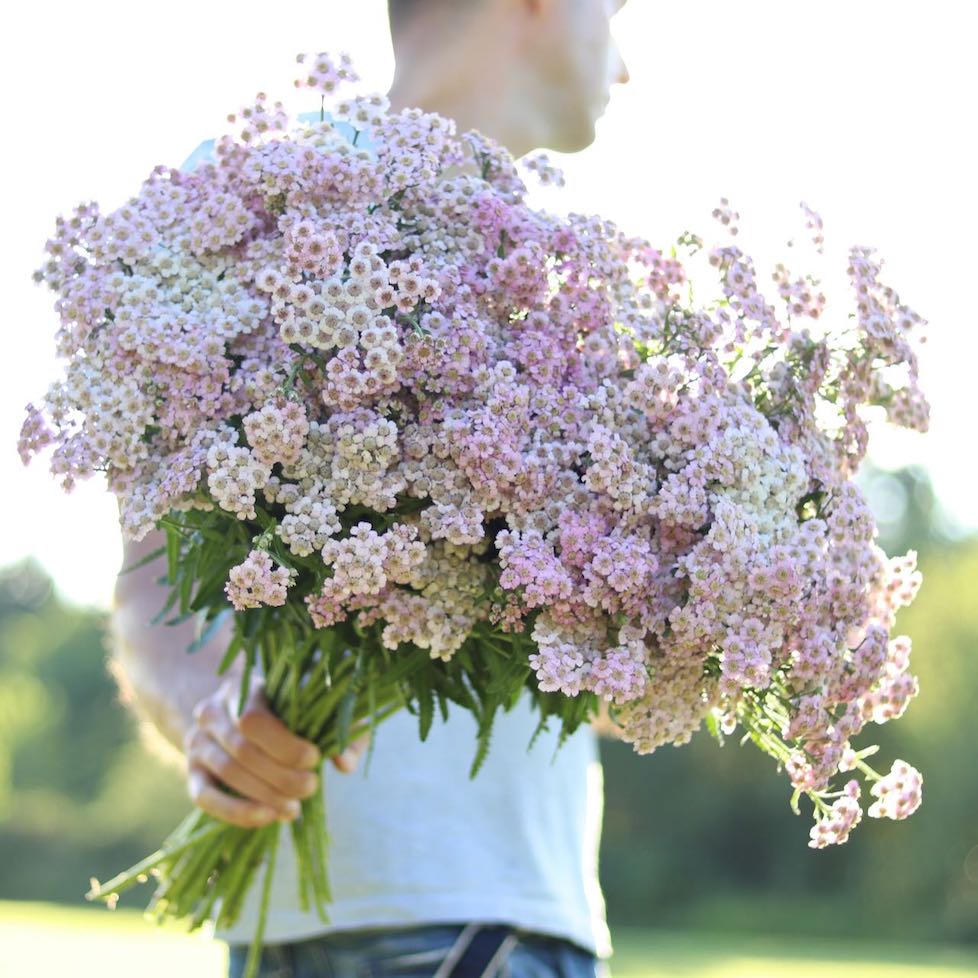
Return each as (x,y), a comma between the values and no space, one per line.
(432,874)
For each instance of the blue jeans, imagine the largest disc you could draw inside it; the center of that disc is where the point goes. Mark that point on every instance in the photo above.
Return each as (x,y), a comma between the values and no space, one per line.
(442,950)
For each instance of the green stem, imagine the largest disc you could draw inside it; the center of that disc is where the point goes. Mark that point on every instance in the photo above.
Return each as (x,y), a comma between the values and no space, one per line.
(318,837)
(866,769)
(330,743)
(495,648)
(242,863)
(205,907)
(136,873)
(300,828)
(188,880)
(254,952)
(320,713)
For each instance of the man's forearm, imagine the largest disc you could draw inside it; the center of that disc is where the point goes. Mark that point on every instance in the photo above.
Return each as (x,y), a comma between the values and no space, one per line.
(158,677)
(244,767)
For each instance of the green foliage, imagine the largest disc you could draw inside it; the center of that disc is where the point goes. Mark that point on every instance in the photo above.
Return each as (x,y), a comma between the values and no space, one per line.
(77,789)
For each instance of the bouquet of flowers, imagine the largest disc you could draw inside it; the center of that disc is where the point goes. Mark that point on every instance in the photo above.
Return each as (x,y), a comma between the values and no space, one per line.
(435,445)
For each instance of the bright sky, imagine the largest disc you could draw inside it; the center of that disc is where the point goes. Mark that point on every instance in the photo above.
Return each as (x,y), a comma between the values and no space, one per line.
(863,110)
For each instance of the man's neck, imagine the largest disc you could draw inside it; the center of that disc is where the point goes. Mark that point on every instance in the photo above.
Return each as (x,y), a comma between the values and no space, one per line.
(471,107)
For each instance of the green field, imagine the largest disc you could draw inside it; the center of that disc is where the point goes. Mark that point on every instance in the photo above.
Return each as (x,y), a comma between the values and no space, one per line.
(47,941)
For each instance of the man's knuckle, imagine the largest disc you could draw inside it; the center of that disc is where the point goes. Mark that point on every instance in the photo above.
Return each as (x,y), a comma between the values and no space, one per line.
(291,755)
(207,806)
(293,784)
(308,784)
(235,818)
(305,755)
(250,723)
(239,747)
(210,714)
(220,763)
(254,817)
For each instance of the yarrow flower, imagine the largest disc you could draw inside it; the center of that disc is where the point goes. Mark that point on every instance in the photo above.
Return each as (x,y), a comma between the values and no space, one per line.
(898,794)
(254,582)
(344,361)
(324,73)
(844,816)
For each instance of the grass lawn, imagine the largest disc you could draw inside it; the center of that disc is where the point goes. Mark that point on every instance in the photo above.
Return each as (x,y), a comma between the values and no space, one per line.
(43,940)
(670,954)
(48,941)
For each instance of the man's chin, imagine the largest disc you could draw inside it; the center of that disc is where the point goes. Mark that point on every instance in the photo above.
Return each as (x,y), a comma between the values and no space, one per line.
(573,141)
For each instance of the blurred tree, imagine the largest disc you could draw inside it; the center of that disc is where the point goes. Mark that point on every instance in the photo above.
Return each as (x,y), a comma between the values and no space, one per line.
(78,794)
(907,511)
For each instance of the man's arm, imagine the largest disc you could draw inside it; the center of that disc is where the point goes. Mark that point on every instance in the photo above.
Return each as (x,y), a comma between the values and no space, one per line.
(161,681)
(181,695)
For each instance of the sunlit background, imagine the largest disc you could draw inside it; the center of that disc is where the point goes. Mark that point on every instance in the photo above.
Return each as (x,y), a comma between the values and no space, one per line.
(863,109)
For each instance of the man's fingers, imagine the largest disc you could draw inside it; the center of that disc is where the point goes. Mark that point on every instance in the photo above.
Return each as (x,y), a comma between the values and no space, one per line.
(208,797)
(254,755)
(288,782)
(347,761)
(208,712)
(263,728)
(259,725)
(208,754)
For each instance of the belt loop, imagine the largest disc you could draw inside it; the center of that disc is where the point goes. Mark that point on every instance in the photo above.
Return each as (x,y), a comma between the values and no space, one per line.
(459,948)
(480,951)
(497,961)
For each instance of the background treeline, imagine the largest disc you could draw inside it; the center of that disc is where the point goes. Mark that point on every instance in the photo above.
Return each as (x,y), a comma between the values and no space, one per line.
(694,838)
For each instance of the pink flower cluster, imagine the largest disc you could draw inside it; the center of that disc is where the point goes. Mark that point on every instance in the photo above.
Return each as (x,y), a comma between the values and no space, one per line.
(481,415)
(253,582)
(898,794)
(363,563)
(844,815)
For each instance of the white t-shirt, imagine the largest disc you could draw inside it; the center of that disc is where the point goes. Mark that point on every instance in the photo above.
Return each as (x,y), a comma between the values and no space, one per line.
(414,841)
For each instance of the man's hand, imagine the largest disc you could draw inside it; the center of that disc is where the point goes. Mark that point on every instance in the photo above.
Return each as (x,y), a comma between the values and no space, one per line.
(269,768)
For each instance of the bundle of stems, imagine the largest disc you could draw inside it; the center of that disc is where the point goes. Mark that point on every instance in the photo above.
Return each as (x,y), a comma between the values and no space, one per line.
(329,686)
(325,692)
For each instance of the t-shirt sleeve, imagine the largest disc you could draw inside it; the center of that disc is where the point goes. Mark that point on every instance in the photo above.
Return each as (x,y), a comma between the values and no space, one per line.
(204,153)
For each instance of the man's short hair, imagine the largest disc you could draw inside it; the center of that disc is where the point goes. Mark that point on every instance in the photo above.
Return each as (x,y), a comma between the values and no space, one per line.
(401,12)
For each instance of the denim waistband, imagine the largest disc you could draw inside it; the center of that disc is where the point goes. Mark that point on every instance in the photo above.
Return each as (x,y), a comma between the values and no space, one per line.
(452,950)
(354,935)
